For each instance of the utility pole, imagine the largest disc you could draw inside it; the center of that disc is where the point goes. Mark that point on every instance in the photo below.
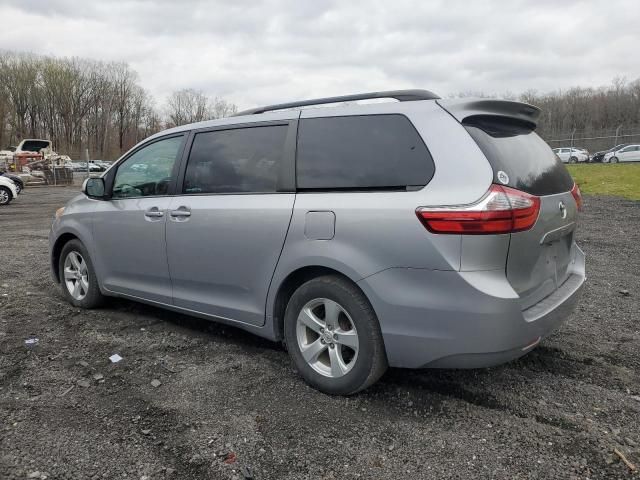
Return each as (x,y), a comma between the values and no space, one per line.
(617,133)
(86,155)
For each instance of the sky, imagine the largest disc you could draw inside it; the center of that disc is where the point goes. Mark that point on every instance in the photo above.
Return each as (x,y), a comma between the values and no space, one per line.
(263,52)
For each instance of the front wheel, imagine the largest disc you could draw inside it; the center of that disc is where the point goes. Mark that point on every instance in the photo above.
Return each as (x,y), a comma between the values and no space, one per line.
(614,160)
(18,188)
(333,336)
(5,196)
(77,276)
(573,160)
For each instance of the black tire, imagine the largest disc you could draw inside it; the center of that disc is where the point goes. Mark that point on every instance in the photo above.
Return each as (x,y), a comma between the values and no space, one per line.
(18,188)
(5,196)
(370,362)
(93,297)
(614,160)
(573,160)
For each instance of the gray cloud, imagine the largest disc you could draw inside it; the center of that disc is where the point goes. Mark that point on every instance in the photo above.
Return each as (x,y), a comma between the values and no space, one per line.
(276,50)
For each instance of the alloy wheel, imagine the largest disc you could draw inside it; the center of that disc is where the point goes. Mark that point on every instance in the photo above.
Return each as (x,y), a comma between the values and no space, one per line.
(76,275)
(327,337)
(4,196)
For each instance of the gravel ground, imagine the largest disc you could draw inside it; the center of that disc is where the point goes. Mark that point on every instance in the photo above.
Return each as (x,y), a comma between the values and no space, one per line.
(229,405)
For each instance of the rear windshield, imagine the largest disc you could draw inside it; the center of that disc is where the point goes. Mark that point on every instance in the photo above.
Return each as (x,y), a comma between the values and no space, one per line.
(519,152)
(34,145)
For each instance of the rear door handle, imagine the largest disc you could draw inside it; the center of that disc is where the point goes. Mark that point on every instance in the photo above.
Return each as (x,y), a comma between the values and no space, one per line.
(154,212)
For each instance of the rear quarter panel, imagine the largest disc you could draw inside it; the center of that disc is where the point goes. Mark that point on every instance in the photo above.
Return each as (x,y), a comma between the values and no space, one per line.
(375,231)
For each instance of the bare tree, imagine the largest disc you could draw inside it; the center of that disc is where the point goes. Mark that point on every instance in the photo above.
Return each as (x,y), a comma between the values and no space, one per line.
(187,106)
(220,108)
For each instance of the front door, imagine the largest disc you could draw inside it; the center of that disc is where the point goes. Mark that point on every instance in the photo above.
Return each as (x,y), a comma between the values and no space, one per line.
(129,229)
(631,154)
(226,230)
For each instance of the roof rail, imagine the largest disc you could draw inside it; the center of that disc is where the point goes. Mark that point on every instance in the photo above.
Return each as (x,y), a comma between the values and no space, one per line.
(400,95)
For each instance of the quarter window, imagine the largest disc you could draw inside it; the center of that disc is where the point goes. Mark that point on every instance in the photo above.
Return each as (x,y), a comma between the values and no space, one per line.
(148,171)
(236,161)
(361,152)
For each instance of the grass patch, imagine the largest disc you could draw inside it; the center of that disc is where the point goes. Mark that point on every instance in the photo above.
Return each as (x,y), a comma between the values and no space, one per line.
(621,179)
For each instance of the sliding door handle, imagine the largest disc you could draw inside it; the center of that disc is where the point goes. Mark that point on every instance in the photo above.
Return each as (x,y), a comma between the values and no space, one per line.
(181,212)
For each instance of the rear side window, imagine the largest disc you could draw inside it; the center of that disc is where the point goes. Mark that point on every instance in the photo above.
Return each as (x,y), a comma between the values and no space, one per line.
(519,152)
(361,153)
(235,161)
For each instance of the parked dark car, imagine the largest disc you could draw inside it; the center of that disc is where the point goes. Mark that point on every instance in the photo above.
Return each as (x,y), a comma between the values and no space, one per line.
(15,179)
(598,157)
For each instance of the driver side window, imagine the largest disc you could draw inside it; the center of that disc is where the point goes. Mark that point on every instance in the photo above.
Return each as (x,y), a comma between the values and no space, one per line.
(148,171)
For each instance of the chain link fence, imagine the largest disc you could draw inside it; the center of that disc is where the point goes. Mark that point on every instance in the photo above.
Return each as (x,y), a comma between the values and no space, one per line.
(68,167)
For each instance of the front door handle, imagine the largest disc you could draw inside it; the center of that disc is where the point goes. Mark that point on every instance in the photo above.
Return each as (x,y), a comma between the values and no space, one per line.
(154,212)
(181,212)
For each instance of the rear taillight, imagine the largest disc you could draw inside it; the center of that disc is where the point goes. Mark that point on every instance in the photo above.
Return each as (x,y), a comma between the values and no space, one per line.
(577,195)
(501,210)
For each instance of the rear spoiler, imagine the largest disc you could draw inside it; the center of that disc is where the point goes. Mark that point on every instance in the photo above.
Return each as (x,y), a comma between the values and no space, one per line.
(465,109)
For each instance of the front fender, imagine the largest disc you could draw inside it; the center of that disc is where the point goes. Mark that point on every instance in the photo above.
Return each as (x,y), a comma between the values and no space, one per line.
(76,221)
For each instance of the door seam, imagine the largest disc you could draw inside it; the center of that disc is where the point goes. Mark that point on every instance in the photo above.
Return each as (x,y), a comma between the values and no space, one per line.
(273,274)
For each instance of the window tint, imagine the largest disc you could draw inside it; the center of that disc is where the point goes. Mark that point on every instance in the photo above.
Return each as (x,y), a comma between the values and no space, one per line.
(238,160)
(361,152)
(519,152)
(148,171)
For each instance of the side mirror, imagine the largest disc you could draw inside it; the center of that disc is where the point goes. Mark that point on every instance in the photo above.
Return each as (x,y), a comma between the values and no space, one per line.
(93,188)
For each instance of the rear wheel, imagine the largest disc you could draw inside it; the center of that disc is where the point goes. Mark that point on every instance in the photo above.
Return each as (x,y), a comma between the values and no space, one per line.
(77,276)
(5,196)
(333,336)
(614,160)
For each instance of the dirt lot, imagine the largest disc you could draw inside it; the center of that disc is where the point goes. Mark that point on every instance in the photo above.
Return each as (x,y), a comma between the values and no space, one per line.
(68,412)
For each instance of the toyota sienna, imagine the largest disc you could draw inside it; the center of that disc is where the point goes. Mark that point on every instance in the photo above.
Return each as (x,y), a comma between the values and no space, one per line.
(413,233)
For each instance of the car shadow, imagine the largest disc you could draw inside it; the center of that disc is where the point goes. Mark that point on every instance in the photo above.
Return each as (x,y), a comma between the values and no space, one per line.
(473,386)
(229,333)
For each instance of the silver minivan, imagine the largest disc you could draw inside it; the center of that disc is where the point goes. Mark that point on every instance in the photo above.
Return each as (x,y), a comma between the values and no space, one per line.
(410,233)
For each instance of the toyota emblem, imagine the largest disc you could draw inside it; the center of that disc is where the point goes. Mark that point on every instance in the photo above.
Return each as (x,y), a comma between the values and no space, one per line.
(563,210)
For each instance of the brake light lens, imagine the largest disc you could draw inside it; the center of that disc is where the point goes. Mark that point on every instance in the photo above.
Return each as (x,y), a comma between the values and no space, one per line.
(501,210)
(577,195)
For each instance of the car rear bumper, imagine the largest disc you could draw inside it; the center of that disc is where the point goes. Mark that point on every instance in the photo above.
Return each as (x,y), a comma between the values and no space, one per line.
(441,319)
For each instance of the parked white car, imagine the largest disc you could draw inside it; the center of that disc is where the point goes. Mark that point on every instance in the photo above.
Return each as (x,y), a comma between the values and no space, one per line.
(8,191)
(630,153)
(572,155)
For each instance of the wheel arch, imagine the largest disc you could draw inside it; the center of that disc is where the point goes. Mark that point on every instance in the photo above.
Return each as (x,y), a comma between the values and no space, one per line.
(290,284)
(12,193)
(61,241)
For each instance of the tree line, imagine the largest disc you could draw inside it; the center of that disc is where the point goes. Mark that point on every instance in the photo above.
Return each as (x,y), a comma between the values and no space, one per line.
(100,106)
(81,104)
(596,117)
(588,111)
